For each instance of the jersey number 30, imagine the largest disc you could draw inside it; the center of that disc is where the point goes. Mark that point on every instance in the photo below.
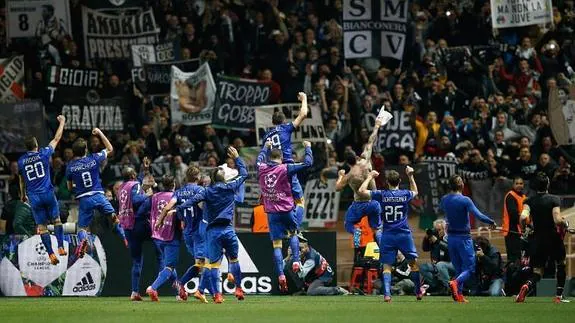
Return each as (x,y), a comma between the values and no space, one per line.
(393,213)
(35,171)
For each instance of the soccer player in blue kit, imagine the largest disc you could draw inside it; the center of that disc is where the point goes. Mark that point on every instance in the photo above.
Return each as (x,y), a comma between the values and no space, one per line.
(36,186)
(219,202)
(83,174)
(396,234)
(194,230)
(457,207)
(280,137)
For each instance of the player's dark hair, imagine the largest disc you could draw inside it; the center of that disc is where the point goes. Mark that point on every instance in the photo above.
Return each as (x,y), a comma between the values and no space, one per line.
(217,175)
(48,7)
(193,174)
(30,143)
(351,158)
(393,178)
(516,178)
(128,173)
(541,182)
(276,154)
(169,182)
(278,118)
(456,183)
(79,147)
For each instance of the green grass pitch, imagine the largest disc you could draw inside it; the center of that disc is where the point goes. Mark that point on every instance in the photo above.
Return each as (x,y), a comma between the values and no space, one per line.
(364,309)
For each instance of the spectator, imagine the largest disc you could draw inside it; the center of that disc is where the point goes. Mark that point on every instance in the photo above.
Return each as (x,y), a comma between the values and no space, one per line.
(180,169)
(18,215)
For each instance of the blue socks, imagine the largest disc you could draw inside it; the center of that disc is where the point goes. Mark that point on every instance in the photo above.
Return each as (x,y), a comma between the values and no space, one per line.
(294,245)
(461,279)
(214,280)
(386,284)
(415,277)
(205,282)
(164,275)
(237,272)
(193,271)
(136,273)
(45,237)
(59,232)
(279,261)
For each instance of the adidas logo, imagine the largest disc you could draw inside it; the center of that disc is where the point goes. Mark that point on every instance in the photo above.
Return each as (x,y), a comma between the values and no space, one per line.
(84,285)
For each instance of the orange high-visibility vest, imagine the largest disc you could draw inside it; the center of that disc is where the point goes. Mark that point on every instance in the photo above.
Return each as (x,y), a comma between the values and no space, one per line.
(505,225)
(366,233)
(260,220)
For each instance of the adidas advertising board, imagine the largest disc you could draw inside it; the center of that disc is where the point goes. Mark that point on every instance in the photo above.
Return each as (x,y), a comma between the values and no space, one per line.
(25,268)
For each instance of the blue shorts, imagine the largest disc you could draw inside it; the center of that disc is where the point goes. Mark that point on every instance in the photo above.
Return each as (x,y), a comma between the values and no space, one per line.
(170,252)
(281,224)
(195,244)
(462,253)
(219,238)
(391,242)
(44,207)
(357,210)
(90,203)
(136,237)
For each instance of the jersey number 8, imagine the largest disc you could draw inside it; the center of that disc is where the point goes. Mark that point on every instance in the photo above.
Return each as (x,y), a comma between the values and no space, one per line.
(276,143)
(393,213)
(35,171)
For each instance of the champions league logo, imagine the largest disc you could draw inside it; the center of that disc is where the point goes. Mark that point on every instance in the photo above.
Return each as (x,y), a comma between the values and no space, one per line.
(40,249)
(271,180)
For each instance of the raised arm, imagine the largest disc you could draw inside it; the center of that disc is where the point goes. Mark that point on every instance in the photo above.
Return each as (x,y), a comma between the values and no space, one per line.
(363,192)
(107,144)
(303,111)
(263,155)
(242,170)
(369,147)
(412,185)
(482,217)
(341,180)
(165,211)
(59,132)
(145,170)
(307,162)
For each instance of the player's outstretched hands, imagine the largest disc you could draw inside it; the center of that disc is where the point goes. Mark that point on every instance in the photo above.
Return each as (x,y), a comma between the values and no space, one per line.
(61,119)
(378,122)
(409,170)
(302,97)
(233,153)
(341,173)
(96,131)
(374,173)
(307,143)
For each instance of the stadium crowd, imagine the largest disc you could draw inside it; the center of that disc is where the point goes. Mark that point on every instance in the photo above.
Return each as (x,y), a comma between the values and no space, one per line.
(476,94)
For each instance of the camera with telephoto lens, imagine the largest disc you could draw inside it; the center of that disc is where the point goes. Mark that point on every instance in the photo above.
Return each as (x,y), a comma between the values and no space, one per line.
(432,232)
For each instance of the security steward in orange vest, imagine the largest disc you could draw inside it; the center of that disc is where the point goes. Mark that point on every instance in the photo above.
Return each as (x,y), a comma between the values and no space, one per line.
(511,219)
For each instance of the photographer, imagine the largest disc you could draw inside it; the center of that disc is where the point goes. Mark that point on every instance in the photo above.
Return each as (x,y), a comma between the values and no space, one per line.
(437,273)
(489,279)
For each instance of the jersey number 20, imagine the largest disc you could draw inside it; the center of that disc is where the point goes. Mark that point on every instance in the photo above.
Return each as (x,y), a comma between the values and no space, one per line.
(35,171)
(393,213)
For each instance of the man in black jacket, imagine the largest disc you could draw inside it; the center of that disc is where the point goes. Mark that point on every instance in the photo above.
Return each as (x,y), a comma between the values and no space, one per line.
(489,269)
(437,273)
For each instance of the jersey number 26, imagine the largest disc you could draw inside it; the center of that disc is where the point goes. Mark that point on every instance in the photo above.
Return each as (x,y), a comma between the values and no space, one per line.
(393,213)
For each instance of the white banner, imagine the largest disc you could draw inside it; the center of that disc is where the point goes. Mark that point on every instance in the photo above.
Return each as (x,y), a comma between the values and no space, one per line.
(165,52)
(569,114)
(311,129)
(516,13)
(192,96)
(321,203)
(12,88)
(46,19)
(398,133)
(111,36)
(374,28)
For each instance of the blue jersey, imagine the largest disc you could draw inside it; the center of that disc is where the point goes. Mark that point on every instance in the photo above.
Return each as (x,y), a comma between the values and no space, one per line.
(85,174)
(456,208)
(192,216)
(394,208)
(280,137)
(35,168)
(219,198)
